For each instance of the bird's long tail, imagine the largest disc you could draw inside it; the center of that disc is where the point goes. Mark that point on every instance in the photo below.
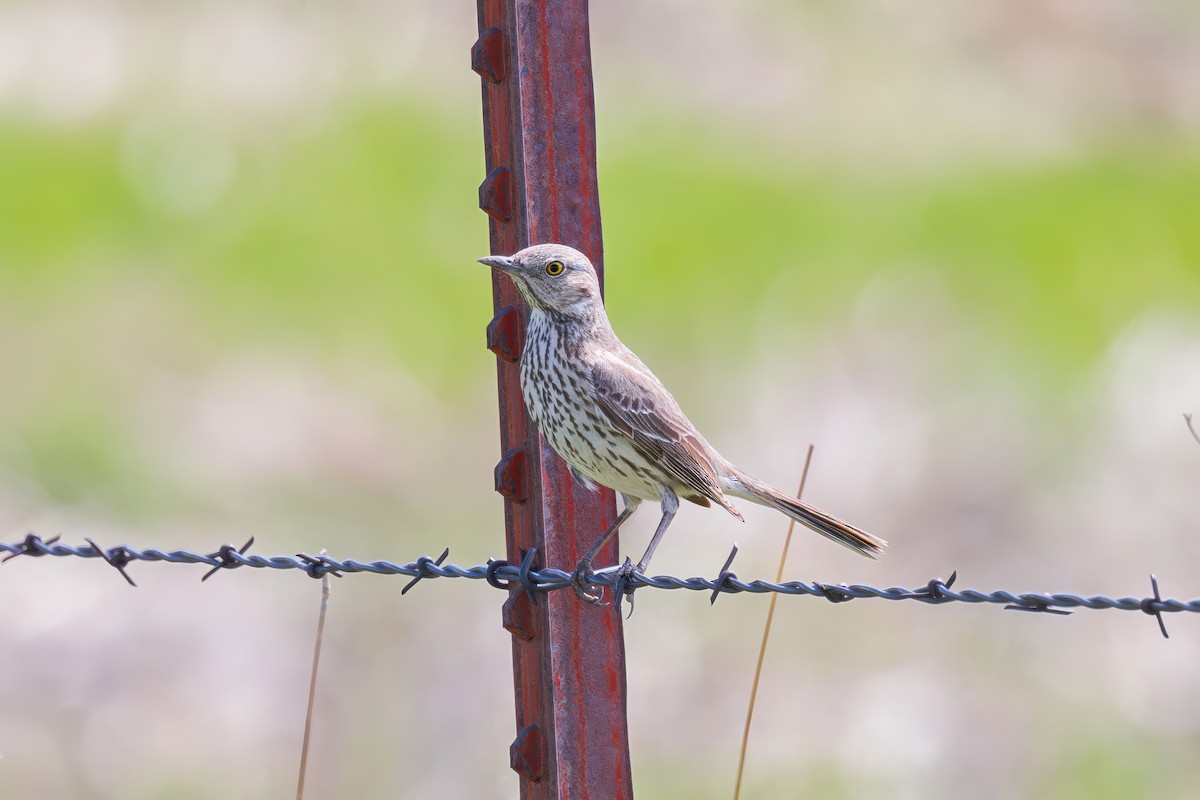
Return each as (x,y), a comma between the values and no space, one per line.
(742,485)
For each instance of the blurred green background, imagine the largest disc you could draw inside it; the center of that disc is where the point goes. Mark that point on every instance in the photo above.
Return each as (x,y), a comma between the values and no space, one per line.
(956,247)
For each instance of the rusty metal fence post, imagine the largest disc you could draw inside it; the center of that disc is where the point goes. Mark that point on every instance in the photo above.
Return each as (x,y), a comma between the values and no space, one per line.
(568,656)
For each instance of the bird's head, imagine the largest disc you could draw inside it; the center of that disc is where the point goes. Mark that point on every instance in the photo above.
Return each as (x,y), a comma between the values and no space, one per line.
(553,278)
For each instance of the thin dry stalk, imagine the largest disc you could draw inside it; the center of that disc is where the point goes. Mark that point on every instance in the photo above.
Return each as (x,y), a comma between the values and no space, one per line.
(762,648)
(326,589)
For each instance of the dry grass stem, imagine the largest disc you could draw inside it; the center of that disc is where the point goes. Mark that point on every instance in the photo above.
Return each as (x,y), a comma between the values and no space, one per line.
(312,683)
(762,648)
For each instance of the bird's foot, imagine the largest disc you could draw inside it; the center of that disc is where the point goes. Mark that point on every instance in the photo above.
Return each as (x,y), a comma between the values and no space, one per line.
(620,583)
(582,584)
(586,589)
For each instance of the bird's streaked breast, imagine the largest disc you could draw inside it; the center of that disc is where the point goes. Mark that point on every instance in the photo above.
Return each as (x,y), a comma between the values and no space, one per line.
(560,401)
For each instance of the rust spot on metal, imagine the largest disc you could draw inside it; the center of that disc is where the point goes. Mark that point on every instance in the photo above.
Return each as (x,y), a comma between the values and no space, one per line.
(495,194)
(488,57)
(518,616)
(510,475)
(505,337)
(526,755)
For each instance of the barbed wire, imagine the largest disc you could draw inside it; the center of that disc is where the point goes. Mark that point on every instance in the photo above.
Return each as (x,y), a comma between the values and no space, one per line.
(503,575)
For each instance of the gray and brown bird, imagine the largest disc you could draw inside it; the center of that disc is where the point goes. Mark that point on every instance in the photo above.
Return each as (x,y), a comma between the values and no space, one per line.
(613,422)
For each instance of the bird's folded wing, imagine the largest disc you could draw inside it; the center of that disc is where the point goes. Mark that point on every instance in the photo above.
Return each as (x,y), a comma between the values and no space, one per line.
(639,406)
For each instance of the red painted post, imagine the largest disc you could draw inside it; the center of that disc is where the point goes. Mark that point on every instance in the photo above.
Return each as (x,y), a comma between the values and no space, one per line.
(572,739)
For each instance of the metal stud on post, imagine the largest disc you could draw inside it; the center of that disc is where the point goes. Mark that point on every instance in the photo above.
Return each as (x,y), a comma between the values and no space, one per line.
(534,59)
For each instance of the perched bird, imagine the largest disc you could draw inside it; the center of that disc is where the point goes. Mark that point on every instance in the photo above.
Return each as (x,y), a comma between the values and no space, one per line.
(613,422)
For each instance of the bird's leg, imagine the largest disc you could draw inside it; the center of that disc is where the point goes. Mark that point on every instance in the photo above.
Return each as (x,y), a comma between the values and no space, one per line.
(585,589)
(670,504)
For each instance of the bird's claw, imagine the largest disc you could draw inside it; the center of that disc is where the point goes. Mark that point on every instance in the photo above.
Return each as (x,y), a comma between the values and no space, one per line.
(620,579)
(583,586)
(586,589)
(621,587)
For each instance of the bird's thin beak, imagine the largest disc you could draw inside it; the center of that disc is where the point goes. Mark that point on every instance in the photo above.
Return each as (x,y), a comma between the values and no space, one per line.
(500,262)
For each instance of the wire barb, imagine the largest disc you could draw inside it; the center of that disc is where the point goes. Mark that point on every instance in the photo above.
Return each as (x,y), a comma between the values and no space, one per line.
(525,571)
(32,545)
(1152,606)
(225,554)
(936,589)
(1035,605)
(118,558)
(724,577)
(318,566)
(834,594)
(423,569)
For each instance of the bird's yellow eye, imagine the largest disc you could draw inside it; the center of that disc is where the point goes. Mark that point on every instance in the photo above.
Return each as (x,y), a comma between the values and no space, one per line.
(555,268)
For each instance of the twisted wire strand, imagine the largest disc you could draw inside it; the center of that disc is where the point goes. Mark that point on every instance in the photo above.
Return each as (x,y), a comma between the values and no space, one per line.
(501,574)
